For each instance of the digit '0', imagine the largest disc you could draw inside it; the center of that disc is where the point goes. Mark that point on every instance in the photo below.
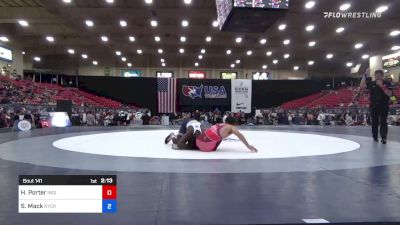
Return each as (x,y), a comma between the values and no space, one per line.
(109,192)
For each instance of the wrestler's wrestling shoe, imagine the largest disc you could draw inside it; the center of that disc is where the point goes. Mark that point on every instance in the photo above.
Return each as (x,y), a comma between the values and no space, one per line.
(169,138)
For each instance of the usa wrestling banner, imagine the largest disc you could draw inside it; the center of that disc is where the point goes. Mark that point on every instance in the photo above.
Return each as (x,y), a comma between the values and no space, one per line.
(241,95)
(208,92)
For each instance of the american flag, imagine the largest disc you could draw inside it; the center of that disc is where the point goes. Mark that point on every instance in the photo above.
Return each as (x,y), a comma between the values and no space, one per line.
(166,90)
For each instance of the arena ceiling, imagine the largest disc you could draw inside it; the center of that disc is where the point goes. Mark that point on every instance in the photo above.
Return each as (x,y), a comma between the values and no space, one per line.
(66,23)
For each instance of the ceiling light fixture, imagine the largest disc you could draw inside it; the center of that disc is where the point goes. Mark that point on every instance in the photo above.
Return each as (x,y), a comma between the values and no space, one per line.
(71,51)
(366,56)
(104,38)
(282,27)
(269,53)
(37,59)
(131,38)
(295,68)
(395,48)
(23,23)
(345,7)
(238,40)
(84,56)
(286,42)
(123,23)
(249,52)
(309,4)
(185,23)
(215,23)
(310,63)
(358,45)
(329,56)
(263,41)
(228,52)
(208,39)
(394,33)
(50,38)
(154,23)
(89,23)
(139,51)
(339,30)
(310,28)
(4,39)
(160,51)
(382,9)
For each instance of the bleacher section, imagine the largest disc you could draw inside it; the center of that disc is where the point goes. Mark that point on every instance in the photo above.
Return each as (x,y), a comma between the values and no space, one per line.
(334,98)
(29,92)
(300,103)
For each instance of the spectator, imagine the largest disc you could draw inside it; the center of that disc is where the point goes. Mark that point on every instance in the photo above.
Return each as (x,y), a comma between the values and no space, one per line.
(349,120)
(90,119)
(146,118)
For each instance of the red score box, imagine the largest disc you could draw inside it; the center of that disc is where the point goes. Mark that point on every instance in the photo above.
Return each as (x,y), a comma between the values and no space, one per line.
(109,192)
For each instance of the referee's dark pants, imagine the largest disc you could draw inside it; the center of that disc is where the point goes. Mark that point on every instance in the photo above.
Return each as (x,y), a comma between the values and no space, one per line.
(379,114)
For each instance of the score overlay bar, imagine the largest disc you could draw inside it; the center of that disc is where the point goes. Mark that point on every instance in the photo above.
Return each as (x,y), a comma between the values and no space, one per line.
(67,194)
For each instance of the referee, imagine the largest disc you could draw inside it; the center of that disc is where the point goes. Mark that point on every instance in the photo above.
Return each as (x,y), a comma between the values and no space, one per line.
(380,93)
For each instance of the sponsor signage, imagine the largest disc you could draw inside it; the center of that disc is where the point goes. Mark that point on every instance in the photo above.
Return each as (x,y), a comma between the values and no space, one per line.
(204,92)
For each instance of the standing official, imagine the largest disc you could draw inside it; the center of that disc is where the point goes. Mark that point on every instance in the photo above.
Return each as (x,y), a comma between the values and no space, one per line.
(380,93)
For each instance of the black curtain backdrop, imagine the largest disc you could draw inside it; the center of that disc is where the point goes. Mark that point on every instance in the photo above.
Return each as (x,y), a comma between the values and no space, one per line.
(138,91)
(272,93)
(143,91)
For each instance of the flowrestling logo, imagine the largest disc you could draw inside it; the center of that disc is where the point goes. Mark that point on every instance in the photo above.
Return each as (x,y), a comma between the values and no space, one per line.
(209,91)
(352,15)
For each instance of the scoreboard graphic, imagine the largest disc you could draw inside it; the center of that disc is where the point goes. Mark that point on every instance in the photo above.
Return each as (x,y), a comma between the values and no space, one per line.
(275,4)
(249,16)
(67,194)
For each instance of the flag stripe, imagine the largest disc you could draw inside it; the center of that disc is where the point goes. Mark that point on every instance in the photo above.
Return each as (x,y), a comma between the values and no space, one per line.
(166,88)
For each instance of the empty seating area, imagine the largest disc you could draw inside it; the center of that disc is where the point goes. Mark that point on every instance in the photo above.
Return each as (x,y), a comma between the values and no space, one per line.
(341,97)
(335,98)
(300,103)
(28,92)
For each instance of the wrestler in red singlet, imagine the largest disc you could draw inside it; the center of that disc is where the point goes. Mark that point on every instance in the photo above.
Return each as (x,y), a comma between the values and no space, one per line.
(210,139)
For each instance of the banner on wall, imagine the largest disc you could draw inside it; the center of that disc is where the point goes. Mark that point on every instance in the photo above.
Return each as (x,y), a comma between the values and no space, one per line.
(241,96)
(208,92)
